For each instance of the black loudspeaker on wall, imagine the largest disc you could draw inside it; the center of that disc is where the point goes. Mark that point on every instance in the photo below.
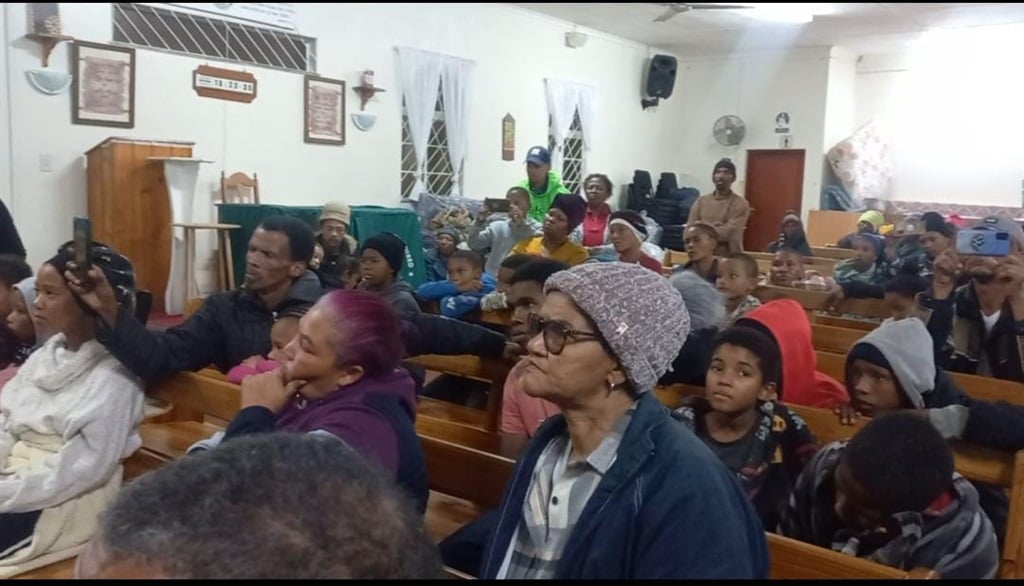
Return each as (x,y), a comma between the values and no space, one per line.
(661,77)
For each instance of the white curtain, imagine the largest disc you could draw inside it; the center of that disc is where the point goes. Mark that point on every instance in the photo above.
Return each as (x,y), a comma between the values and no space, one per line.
(456,81)
(564,99)
(588,119)
(420,73)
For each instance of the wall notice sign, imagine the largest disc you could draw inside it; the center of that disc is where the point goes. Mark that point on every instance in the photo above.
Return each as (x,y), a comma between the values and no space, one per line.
(224,84)
(508,138)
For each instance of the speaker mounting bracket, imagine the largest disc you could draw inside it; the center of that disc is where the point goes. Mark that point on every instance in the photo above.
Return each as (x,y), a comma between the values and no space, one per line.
(647,103)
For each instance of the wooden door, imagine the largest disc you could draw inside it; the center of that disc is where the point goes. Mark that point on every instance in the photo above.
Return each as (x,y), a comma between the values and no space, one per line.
(775,183)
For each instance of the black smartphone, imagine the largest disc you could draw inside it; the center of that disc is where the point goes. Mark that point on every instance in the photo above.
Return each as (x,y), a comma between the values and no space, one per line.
(83,244)
(496,205)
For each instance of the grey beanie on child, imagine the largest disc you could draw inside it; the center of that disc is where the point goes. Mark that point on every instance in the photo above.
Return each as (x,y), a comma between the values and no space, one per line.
(638,313)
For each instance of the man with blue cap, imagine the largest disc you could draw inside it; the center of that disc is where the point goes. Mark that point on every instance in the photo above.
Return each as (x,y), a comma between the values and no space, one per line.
(542,183)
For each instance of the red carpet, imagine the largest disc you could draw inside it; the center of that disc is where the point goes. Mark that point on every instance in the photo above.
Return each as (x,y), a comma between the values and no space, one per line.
(159,320)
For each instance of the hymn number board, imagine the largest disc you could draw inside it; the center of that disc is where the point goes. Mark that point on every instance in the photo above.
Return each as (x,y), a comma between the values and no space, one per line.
(224,84)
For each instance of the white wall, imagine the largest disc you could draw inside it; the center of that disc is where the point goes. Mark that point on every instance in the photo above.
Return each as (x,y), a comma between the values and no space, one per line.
(755,88)
(951,108)
(514,50)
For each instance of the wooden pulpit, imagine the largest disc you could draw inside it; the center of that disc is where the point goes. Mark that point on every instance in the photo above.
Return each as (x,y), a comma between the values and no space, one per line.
(130,207)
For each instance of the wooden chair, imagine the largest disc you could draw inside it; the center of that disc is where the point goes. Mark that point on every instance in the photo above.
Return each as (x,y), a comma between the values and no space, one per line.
(239,188)
(225,263)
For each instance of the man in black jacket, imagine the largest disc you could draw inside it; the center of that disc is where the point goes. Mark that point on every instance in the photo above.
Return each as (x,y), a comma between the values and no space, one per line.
(230,326)
(235,325)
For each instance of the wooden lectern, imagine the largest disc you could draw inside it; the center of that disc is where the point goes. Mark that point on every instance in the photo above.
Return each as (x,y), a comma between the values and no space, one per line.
(130,207)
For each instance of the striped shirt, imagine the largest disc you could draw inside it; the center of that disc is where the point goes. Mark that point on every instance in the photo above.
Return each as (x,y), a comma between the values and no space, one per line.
(559,490)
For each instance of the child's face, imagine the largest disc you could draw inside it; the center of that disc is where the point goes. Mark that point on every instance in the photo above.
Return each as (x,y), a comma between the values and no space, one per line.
(504,279)
(865,252)
(734,382)
(318,257)
(20,320)
(445,244)
(934,243)
(464,275)
(733,280)
(787,267)
(374,270)
(281,334)
(520,200)
(311,355)
(853,503)
(872,389)
(899,305)
(792,229)
(699,244)
(55,308)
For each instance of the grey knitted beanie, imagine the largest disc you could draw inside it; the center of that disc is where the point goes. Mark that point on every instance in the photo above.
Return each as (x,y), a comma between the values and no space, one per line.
(641,316)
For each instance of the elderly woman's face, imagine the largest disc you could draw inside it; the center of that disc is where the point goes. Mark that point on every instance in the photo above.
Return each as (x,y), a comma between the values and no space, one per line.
(581,370)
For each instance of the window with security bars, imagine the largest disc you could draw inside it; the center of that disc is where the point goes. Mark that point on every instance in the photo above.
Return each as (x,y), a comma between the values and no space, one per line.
(191,34)
(439,167)
(572,154)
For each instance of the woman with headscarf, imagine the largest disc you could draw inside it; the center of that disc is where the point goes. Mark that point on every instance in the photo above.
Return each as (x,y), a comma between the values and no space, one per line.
(566,213)
(69,418)
(792,235)
(613,487)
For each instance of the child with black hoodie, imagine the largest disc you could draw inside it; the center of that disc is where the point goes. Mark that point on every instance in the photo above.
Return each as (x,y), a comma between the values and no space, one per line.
(741,420)
(382,257)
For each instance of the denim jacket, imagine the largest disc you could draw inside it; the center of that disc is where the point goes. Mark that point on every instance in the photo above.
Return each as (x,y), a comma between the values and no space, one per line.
(667,508)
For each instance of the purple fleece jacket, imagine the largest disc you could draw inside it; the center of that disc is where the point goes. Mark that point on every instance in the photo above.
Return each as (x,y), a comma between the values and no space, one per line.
(344,414)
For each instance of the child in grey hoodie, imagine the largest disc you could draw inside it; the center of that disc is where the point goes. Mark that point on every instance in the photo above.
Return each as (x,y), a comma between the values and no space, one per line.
(892,368)
(496,238)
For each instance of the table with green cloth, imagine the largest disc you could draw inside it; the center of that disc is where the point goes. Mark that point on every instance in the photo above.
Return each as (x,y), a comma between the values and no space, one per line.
(367,221)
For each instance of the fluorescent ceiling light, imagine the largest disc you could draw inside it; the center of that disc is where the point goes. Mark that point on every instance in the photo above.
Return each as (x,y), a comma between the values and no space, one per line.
(786,13)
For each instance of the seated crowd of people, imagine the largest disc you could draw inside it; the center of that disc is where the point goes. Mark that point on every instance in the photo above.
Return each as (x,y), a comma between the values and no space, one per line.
(321,473)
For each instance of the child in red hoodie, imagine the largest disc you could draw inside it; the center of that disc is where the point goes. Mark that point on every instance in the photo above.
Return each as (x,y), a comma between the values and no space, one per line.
(786,322)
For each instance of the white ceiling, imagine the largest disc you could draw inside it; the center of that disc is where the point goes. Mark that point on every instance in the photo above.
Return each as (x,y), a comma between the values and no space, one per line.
(860,27)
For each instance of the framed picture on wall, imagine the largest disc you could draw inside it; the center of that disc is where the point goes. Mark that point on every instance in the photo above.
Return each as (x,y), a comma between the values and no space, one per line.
(324,110)
(103,90)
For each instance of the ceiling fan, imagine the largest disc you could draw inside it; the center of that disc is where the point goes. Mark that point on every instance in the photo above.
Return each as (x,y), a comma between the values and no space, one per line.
(675,8)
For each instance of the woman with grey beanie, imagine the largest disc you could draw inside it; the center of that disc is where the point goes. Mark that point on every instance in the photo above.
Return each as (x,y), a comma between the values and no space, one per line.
(613,487)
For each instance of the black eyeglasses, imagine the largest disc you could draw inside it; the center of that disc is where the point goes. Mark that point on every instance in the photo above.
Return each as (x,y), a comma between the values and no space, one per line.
(556,333)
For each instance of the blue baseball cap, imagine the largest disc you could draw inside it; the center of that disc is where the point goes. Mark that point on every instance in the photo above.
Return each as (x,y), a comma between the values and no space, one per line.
(539,155)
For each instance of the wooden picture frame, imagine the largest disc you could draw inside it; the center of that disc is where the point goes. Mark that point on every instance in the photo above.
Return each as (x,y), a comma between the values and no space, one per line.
(103,86)
(324,110)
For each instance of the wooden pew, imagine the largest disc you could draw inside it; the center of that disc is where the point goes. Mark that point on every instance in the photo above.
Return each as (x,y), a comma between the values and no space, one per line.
(796,560)
(815,300)
(862,325)
(487,370)
(834,339)
(833,252)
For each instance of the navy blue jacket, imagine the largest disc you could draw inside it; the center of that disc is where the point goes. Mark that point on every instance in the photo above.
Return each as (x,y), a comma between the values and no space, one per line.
(668,508)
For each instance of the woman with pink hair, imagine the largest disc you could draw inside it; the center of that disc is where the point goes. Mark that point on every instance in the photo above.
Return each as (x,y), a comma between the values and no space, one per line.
(341,376)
